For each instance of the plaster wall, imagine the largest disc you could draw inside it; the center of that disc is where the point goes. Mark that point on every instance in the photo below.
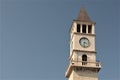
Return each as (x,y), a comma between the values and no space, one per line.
(85,75)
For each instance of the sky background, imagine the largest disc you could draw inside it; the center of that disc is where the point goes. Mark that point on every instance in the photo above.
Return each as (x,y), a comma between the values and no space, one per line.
(34,37)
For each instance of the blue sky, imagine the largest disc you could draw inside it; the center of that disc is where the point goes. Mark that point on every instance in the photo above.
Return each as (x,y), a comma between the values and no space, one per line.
(34,37)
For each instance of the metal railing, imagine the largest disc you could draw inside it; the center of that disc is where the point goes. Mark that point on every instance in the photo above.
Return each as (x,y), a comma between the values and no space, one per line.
(86,63)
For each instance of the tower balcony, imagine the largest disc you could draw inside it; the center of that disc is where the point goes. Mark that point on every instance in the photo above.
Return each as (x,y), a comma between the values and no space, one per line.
(86,64)
(82,64)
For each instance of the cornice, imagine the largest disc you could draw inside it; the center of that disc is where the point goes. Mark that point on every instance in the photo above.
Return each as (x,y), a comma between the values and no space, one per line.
(88,34)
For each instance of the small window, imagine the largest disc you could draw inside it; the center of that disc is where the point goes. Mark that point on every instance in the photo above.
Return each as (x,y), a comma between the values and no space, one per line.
(83,28)
(78,27)
(84,59)
(89,28)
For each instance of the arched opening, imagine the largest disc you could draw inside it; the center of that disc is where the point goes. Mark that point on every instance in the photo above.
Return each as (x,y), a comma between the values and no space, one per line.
(84,59)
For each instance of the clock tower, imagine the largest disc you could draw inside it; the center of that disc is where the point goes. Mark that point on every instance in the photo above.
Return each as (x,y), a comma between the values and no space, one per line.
(82,61)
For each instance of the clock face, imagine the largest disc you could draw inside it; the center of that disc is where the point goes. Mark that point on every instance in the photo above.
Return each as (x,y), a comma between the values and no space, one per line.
(84,42)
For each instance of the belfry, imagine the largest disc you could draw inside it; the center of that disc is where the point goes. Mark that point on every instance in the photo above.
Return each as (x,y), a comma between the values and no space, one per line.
(82,60)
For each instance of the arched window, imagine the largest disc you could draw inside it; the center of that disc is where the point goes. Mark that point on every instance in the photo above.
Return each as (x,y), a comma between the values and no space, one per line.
(84,59)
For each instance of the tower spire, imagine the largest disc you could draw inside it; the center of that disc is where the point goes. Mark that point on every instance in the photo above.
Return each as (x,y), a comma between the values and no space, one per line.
(83,16)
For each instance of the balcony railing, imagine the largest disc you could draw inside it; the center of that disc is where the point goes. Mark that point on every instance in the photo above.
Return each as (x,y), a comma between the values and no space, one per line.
(86,64)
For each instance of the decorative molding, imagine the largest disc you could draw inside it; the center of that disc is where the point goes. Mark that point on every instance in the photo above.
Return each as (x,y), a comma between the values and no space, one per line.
(85,51)
(89,22)
(88,34)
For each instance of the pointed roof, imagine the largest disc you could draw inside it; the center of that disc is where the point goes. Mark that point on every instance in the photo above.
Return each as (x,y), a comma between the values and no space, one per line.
(83,16)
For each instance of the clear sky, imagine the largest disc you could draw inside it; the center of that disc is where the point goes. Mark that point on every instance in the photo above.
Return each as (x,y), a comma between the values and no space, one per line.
(34,37)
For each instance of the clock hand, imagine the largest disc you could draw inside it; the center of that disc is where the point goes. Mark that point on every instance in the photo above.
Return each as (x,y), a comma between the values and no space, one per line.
(84,44)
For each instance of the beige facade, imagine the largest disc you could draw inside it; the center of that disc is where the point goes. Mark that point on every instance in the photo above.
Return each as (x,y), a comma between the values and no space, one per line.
(83,64)
(83,75)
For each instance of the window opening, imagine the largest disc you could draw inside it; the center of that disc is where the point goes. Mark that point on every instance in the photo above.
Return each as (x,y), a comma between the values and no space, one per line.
(89,28)
(84,28)
(78,27)
(84,59)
